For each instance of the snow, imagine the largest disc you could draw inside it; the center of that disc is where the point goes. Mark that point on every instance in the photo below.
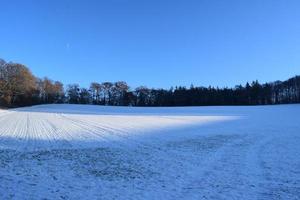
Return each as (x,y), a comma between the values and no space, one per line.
(98,152)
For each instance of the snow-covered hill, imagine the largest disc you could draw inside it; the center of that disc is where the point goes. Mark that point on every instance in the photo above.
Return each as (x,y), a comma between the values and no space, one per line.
(96,152)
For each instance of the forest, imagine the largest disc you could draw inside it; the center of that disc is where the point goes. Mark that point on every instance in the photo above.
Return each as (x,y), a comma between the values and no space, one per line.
(19,87)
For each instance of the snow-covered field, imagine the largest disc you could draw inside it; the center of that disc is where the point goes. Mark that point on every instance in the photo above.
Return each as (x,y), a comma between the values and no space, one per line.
(95,152)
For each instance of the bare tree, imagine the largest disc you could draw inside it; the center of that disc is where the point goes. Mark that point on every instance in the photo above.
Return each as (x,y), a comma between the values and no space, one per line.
(120,90)
(143,96)
(107,90)
(95,89)
(73,92)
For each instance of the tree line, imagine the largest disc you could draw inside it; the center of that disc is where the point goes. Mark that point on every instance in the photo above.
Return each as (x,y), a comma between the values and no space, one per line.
(19,87)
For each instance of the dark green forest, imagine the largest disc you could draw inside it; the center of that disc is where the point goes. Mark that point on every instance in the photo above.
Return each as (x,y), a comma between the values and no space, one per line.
(19,87)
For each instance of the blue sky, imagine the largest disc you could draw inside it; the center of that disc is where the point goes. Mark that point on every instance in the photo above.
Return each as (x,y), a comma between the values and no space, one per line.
(157,43)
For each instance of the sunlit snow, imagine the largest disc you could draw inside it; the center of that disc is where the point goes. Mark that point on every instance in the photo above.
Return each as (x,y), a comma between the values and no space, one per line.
(96,152)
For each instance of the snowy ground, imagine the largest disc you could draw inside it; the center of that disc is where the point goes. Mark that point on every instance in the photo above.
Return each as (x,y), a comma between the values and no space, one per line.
(94,152)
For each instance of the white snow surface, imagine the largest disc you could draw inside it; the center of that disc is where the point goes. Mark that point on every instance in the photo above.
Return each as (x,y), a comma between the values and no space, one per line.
(102,152)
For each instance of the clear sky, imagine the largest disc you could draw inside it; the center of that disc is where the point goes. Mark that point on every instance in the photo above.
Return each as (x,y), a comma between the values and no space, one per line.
(157,43)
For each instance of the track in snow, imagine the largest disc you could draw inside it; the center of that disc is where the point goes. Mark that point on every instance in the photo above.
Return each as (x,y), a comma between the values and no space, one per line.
(94,152)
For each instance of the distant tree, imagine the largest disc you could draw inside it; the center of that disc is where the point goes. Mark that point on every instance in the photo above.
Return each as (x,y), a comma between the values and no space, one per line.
(107,92)
(95,89)
(59,92)
(85,96)
(73,93)
(2,80)
(255,93)
(19,87)
(142,96)
(50,91)
(120,90)
(17,84)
